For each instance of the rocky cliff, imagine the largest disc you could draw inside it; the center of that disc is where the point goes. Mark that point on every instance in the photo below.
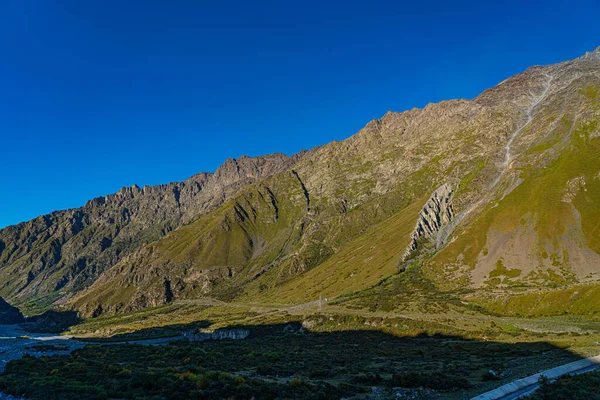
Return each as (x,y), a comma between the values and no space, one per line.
(435,215)
(52,321)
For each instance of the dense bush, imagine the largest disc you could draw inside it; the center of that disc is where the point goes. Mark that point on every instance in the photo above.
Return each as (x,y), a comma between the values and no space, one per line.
(586,386)
(268,365)
(436,380)
(97,373)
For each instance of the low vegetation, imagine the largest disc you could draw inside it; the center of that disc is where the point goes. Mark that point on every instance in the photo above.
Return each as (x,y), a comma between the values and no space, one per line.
(276,361)
(569,387)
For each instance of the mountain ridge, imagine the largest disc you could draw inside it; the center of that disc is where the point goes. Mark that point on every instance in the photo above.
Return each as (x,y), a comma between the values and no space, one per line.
(113,218)
(296,228)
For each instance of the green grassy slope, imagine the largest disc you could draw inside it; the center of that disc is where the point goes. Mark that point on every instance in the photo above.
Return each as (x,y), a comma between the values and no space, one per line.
(222,244)
(361,263)
(545,231)
(576,300)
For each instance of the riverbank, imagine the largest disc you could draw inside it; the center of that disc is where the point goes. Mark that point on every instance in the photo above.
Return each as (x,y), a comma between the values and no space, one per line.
(15,342)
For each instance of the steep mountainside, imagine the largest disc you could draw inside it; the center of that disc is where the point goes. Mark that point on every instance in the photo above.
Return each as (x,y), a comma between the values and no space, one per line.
(524,216)
(492,193)
(58,254)
(347,215)
(297,219)
(539,223)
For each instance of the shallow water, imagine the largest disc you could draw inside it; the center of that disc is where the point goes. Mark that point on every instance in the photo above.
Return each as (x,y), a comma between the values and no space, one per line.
(15,342)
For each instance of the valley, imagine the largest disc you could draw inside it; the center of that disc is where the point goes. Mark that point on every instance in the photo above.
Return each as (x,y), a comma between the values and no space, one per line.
(438,253)
(328,349)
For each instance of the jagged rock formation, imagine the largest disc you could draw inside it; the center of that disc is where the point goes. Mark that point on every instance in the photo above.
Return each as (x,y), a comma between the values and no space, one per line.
(9,314)
(591,55)
(436,214)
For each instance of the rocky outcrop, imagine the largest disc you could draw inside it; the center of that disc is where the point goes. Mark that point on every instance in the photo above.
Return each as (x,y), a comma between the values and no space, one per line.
(436,214)
(591,55)
(9,314)
(219,334)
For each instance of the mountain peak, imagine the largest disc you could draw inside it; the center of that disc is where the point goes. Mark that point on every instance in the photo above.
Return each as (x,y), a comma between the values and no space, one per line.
(591,55)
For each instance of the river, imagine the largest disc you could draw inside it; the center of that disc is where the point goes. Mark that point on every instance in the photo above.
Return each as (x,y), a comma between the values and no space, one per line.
(16,342)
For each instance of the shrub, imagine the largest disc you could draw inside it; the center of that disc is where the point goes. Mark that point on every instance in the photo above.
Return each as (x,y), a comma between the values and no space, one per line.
(295,382)
(436,380)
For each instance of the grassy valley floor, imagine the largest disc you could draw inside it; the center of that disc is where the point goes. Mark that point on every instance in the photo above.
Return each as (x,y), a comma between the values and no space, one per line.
(442,349)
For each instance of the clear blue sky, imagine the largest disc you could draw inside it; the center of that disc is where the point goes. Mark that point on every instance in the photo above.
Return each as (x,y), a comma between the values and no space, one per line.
(100,94)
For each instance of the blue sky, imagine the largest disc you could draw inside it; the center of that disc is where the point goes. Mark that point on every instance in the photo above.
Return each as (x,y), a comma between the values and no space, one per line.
(96,95)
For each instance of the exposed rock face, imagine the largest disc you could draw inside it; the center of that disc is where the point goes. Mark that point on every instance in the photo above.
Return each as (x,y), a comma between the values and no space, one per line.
(591,55)
(9,314)
(67,250)
(219,334)
(436,214)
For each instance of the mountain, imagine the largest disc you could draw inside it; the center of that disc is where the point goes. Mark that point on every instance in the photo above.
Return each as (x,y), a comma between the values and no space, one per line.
(489,194)
(539,223)
(53,256)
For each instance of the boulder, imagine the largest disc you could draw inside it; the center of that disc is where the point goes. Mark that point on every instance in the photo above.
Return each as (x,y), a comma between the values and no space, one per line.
(219,334)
